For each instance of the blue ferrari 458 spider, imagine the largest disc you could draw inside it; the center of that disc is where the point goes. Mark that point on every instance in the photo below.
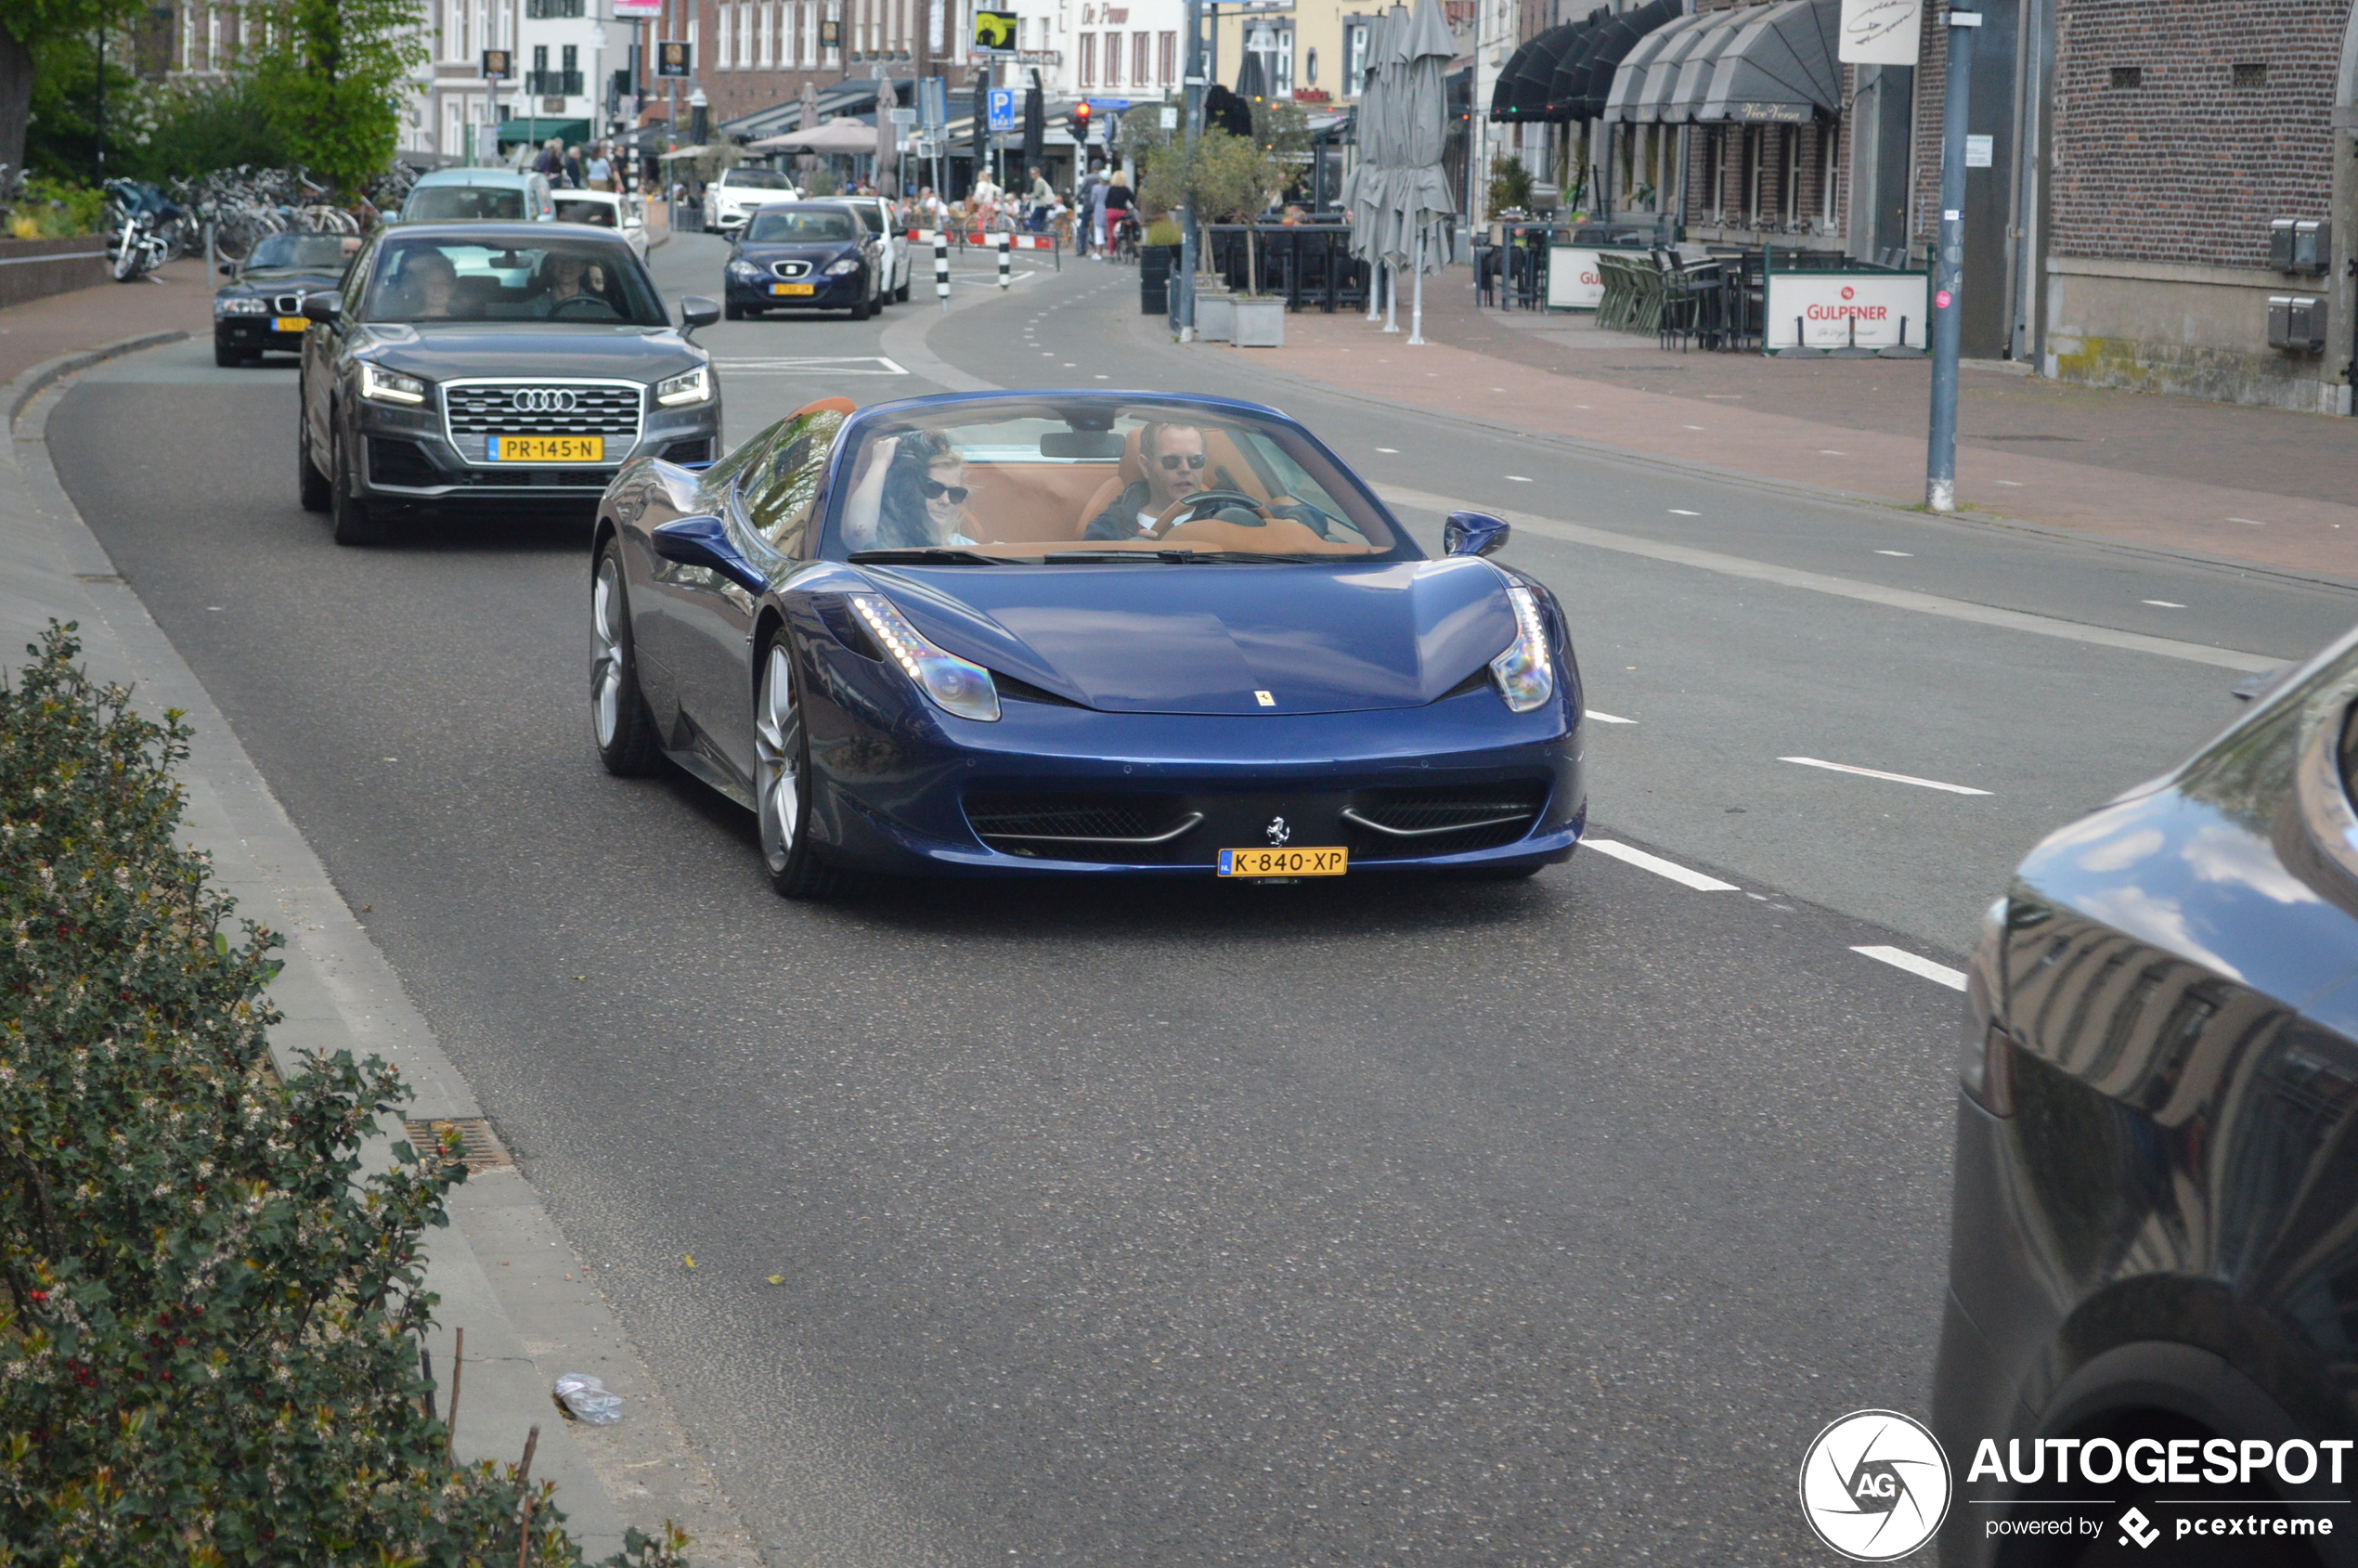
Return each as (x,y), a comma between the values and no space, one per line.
(1079,633)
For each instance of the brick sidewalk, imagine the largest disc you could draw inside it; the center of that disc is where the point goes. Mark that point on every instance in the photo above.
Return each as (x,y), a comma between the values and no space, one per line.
(65,323)
(2246,484)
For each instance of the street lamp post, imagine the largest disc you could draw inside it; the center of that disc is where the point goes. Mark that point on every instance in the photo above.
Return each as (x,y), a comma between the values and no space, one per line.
(1192,77)
(1948,266)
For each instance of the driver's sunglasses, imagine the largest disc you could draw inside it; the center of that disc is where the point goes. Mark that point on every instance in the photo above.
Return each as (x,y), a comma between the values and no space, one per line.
(1172,460)
(935,490)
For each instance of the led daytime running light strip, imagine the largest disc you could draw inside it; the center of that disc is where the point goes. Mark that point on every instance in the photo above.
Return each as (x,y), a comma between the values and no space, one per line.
(890,635)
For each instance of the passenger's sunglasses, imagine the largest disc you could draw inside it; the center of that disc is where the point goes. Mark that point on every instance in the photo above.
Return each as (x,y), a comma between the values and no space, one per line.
(936,489)
(1172,460)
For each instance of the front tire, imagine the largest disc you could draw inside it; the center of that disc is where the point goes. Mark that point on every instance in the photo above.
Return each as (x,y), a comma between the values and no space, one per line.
(862,311)
(227,359)
(619,719)
(782,777)
(354,524)
(733,313)
(901,295)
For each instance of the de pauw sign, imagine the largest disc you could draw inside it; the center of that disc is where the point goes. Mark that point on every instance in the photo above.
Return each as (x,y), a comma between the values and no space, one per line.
(1820,310)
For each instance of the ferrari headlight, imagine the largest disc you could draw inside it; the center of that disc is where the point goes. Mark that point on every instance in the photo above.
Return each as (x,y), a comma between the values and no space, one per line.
(844,268)
(1526,671)
(247,306)
(956,685)
(688,386)
(381,385)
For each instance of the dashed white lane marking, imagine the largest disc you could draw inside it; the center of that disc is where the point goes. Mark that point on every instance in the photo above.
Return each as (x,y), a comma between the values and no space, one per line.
(1878,773)
(811,364)
(1903,555)
(1898,958)
(1393,450)
(1682,512)
(2248,521)
(2012,484)
(1660,867)
(1608,718)
(2162,603)
(1518,478)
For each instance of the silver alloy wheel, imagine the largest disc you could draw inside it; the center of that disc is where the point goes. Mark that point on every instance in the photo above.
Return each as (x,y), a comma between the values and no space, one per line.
(605,651)
(776,739)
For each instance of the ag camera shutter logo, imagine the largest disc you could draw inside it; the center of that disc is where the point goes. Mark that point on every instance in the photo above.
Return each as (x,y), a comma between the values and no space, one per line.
(1874,1485)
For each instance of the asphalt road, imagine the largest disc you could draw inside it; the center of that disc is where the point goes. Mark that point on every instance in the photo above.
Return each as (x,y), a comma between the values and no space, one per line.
(1454,1225)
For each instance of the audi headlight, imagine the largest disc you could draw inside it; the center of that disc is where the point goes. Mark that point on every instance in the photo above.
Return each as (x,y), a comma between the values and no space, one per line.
(688,386)
(956,685)
(246,306)
(1526,671)
(844,268)
(381,385)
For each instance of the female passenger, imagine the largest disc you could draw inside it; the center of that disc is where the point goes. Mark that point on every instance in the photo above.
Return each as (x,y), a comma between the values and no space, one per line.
(912,496)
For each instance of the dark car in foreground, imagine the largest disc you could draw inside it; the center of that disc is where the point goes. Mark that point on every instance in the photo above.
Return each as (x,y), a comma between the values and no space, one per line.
(494,367)
(804,256)
(2153,1288)
(964,636)
(260,309)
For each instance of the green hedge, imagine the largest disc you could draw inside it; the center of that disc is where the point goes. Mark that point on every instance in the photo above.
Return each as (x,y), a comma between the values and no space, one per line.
(208,1325)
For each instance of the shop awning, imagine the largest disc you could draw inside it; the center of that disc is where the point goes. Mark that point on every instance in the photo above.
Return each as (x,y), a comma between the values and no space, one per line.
(1780,69)
(1616,37)
(1679,96)
(1521,92)
(1568,84)
(573,133)
(1652,62)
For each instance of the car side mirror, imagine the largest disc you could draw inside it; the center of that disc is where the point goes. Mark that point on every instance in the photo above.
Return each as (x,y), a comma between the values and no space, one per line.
(323,307)
(228,270)
(1472,533)
(704,541)
(697,311)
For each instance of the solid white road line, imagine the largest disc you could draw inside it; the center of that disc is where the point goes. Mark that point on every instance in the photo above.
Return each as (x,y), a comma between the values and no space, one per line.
(1660,867)
(1878,773)
(1850,588)
(1608,718)
(1900,959)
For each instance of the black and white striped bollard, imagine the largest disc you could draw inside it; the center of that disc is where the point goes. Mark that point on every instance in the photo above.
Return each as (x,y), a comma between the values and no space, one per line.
(1003,260)
(941,266)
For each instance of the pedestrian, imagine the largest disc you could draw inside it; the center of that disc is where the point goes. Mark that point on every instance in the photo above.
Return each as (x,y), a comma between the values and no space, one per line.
(931,214)
(982,201)
(1119,200)
(1043,198)
(551,166)
(1095,218)
(600,169)
(572,168)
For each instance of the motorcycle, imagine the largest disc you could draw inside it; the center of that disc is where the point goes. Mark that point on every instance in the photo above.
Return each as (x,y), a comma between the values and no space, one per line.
(142,227)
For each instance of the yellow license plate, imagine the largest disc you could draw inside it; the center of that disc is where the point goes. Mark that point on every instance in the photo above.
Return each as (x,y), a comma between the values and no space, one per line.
(1284,862)
(547,448)
(291,323)
(794,287)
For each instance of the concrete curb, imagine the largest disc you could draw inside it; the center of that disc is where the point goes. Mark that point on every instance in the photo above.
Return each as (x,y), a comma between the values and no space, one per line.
(524,1296)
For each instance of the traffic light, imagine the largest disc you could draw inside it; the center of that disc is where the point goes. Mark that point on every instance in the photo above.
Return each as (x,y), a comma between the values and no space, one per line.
(1079,125)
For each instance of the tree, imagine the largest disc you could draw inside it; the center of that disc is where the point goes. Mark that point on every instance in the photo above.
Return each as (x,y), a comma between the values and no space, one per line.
(1222,179)
(329,79)
(28,29)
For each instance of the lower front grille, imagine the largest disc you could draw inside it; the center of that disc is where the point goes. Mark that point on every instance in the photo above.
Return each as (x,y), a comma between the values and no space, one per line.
(400,462)
(1128,829)
(1396,823)
(520,476)
(699,451)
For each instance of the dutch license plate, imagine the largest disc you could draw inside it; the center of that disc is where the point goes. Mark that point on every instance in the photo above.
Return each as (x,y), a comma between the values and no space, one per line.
(292,323)
(798,288)
(1284,862)
(547,448)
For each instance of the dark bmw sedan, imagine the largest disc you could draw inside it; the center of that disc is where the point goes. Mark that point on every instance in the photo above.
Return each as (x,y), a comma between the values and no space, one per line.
(260,310)
(804,256)
(494,367)
(2150,1350)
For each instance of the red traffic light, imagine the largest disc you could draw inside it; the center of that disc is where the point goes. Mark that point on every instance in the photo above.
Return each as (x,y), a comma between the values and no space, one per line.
(1080,115)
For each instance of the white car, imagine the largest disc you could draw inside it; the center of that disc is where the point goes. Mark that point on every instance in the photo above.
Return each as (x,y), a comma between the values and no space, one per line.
(876,216)
(738,192)
(607,210)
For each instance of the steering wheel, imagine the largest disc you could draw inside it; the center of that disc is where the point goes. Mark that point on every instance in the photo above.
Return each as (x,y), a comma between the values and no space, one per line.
(1187,508)
(564,304)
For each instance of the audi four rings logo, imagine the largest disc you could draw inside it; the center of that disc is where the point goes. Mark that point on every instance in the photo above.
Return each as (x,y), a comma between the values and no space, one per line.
(544,400)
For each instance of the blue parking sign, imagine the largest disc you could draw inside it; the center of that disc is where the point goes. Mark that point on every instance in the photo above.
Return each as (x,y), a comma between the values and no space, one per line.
(1002,109)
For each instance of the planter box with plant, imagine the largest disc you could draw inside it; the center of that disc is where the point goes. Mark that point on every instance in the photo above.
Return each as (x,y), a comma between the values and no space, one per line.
(208,1323)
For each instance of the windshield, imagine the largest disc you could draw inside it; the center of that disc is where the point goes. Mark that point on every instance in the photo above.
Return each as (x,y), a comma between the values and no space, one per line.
(461,204)
(760,179)
(585,209)
(581,280)
(313,252)
(1074,480)
(800,226)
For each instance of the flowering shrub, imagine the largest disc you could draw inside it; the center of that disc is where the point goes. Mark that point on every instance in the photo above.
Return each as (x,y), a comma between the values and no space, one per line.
(208,1350)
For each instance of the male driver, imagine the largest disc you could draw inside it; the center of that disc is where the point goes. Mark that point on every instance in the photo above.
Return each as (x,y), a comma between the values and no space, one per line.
(1173,456)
